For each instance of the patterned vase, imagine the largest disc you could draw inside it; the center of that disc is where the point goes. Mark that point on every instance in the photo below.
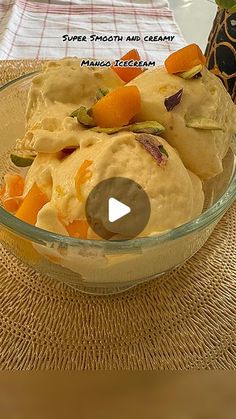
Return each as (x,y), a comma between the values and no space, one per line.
(221,50)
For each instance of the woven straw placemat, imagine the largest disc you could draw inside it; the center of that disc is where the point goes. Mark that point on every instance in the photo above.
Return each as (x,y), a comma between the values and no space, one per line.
(185,319)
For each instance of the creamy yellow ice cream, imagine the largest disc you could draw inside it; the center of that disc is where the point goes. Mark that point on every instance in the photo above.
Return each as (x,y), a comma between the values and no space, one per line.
(71,160)
(175,194)
(205,98)
(55,93)
(62,146)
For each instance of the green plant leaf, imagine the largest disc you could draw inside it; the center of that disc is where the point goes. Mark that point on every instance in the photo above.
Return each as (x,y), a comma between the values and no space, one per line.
(227,4)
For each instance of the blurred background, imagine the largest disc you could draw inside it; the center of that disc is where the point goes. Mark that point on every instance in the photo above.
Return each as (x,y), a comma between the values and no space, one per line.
(194,18)
(34,29)
(164,395)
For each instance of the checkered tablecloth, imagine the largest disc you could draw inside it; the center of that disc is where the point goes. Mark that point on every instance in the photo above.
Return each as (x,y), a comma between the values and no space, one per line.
(35,29)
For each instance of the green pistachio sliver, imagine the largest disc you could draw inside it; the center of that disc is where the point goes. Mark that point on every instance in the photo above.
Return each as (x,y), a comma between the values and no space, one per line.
(84,117)
(163,150)
(187,75)
(101,93)
(74,113)
(204,124)
(148,127)
(22,160)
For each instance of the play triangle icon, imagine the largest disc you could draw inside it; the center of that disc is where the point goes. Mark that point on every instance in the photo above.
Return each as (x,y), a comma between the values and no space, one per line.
(117,210)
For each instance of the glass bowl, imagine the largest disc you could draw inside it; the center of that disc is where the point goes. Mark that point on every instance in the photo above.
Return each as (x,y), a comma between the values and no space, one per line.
(102,267)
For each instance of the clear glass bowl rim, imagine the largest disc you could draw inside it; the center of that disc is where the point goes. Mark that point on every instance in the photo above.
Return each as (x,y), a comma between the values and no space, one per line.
(40,236)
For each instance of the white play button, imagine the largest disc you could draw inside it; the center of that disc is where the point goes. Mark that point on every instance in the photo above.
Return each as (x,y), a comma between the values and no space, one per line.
(117,210)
